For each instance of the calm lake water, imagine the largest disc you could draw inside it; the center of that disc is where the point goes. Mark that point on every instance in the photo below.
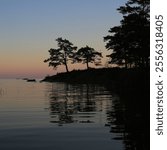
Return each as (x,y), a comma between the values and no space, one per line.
(59,116)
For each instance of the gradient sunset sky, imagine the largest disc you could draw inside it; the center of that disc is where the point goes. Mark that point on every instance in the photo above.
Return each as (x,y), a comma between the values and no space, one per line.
(28,29)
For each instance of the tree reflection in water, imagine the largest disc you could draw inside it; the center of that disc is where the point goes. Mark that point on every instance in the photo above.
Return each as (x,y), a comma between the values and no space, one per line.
(126,115)
(77,103)
(129,118)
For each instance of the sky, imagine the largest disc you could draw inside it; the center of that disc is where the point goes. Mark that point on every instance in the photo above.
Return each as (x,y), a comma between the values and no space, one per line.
(28,29)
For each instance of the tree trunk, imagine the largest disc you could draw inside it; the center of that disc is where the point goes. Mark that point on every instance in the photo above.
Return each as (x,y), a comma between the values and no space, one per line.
(65,63)
(66,67)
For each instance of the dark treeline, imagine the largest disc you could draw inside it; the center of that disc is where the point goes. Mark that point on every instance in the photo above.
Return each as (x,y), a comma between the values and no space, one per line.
(129,42)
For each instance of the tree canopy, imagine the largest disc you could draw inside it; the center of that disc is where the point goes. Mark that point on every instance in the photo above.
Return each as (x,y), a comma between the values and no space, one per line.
(130,41)
(62,54)
(88,55)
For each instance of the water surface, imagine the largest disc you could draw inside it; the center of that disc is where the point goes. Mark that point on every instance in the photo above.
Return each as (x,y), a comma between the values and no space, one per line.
(58,116)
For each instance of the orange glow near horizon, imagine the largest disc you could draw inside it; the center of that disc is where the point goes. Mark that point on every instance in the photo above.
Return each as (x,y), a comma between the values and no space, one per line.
(35,70)
(30,63)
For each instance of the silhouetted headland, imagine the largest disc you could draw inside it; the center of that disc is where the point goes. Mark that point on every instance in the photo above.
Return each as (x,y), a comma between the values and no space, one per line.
(112,77)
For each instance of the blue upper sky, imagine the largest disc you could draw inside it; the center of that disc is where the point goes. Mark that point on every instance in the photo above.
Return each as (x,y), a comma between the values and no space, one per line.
(28,28)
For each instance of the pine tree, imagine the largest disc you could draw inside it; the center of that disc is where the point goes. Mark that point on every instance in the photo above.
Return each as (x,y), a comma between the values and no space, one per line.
(88,55)
(61,55)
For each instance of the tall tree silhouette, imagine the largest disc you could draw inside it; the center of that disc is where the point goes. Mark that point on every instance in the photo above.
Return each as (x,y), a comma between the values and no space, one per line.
(119,45)
(130,41)
(62,54)
(88,55)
